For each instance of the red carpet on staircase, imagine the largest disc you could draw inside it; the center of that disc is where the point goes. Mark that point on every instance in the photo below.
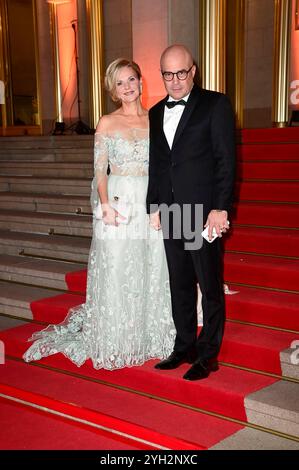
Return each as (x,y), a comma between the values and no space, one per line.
(141,407)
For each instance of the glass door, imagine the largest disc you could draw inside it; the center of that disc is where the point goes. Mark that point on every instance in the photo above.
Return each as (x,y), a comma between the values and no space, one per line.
(20,115)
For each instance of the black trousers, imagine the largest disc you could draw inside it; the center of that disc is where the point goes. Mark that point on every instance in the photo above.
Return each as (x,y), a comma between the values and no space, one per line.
(186,268)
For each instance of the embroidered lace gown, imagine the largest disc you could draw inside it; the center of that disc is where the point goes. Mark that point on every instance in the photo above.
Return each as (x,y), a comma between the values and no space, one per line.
(126,319)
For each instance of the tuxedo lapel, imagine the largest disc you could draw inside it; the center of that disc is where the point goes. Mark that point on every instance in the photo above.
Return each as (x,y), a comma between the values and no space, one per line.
(190,105)
(161,122)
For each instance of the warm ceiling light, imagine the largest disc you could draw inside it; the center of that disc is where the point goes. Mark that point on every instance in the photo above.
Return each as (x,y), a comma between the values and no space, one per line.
(58,2)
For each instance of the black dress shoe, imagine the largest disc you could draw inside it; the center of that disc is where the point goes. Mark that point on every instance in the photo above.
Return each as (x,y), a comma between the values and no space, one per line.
(201,369)
(175,360)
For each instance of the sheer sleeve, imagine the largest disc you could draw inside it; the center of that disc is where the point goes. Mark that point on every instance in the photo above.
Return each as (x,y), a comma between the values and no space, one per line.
(101,156)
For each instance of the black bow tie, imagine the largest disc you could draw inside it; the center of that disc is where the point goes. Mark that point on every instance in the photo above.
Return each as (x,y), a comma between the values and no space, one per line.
(172,104)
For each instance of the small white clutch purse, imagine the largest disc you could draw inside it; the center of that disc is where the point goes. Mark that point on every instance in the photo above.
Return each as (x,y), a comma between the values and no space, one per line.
(123,208)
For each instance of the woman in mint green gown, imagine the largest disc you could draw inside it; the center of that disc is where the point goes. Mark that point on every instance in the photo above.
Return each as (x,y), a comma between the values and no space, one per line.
(127,318)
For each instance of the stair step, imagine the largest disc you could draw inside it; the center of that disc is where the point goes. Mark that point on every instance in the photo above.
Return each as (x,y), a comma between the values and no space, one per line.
(264,214)
(271,152)
(268,191)
(43,152)
(122,405)
(15,301)
(58,156)
(243,345)
(44,142)
(222,393)
(42,222)
(270,135)
(66,248)
(40,272)
(263,241)
(275,309)
(252,439)
(8,322)
(45,184)
(275,407)
(48,169)
(45,202)
(269,170)
(71,149)
(46,432)
(255,348)
(55,309)
(262,271)
(290,360)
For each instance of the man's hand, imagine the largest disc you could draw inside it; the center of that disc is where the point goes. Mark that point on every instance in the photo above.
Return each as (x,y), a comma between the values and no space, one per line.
(154,219)
(217,219)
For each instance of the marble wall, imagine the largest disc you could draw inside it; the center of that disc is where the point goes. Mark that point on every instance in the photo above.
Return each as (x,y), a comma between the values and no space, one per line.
(141,29)
(184,24)
(118,41)
(150,38)
(259,34)
(156,25)
(46,73)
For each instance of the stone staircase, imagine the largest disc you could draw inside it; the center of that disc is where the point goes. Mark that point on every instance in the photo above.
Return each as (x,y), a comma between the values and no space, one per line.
(45,229)
(45,220)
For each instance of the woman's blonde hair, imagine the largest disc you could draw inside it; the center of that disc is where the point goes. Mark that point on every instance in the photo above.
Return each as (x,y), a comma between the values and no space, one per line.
(112,71)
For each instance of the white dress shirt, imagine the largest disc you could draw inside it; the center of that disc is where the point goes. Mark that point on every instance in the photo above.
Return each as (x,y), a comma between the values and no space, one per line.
(172,118)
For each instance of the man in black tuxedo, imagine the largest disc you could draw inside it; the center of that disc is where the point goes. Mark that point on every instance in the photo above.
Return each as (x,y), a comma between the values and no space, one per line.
(192,161)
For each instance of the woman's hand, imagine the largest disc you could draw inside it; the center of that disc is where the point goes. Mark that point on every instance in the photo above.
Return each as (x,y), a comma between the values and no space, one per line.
(109,215)
(155,220)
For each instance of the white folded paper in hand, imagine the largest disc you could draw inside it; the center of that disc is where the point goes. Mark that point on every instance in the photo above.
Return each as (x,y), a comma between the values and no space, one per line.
(205,234)
(123,208)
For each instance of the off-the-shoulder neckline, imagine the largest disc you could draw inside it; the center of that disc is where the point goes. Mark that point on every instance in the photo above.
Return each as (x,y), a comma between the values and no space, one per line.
(119,131)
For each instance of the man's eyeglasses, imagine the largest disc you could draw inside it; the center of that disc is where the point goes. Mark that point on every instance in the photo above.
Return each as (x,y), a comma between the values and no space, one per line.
(181,74)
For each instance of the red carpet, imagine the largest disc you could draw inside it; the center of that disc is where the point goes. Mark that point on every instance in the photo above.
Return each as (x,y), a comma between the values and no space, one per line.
(76,281)
(272,151)
(223,392)
(250,304)
(271,135)
(266,222)
(182,426)
(250,269)
(265,307)
(269,215)
(263,241)
(262,271)
(54,309)
(24,428)
(140,436)
(268,191)
(261,170)
(264,346)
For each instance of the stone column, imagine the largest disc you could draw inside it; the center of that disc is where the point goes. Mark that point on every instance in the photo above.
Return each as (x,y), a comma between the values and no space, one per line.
(95,13)
(84,62)
(282,31)
(46,74)
(213,44)
(236,57)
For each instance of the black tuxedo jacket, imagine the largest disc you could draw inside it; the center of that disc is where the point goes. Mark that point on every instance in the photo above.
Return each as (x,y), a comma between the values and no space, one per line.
(200,167)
